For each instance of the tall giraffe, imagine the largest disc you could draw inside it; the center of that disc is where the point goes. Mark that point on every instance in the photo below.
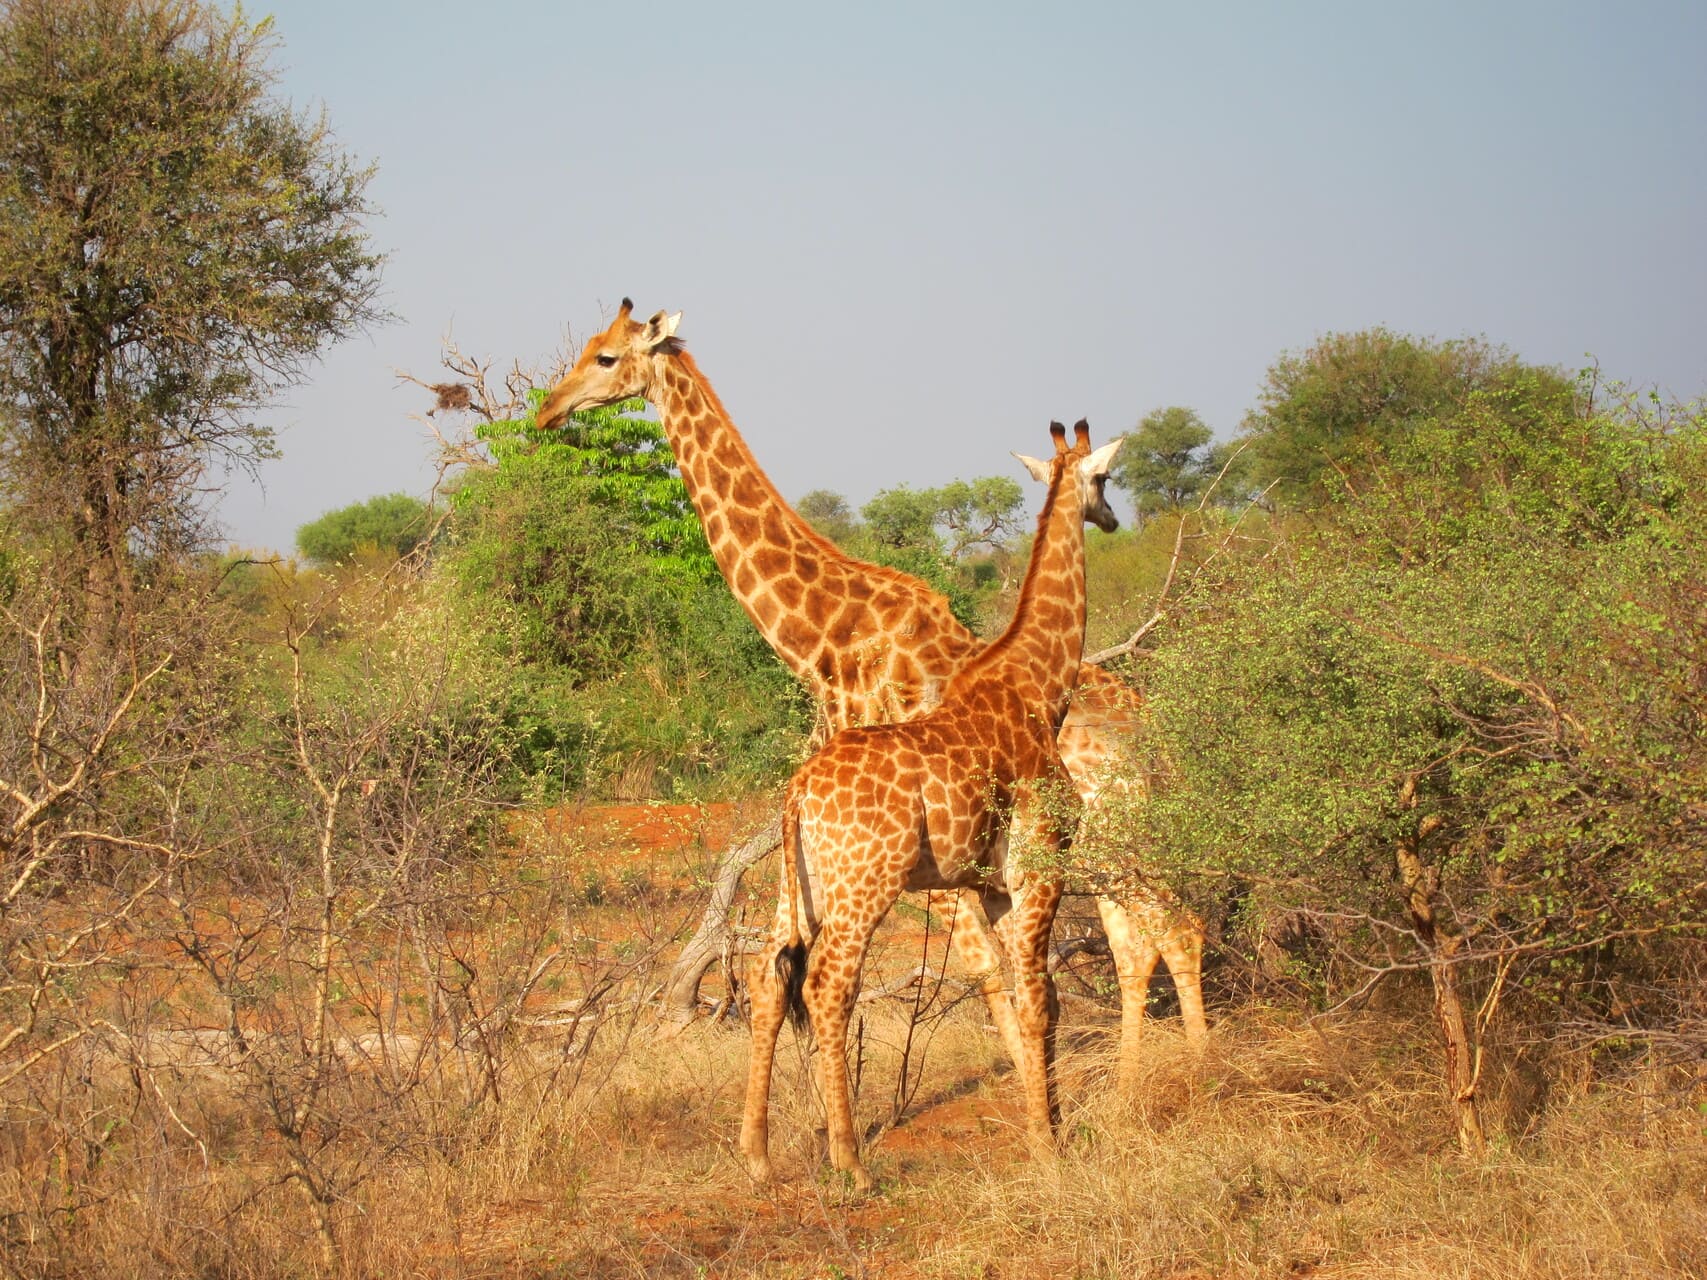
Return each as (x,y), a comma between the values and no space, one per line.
(928,804)
(873,644)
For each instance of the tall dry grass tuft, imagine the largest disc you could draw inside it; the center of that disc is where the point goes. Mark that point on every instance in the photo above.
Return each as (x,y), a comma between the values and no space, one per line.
(1297,1149)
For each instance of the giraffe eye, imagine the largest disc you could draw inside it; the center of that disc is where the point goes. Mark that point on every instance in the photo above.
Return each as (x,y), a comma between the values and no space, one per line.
(605,362)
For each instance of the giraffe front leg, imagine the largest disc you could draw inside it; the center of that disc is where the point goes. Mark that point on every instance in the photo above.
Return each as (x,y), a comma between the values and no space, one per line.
(832,988)
(979,958)
(1035,1008)
(1182,951)
(1135,955)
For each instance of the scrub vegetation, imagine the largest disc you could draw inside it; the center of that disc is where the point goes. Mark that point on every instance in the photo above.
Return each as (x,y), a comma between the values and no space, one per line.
(336,894)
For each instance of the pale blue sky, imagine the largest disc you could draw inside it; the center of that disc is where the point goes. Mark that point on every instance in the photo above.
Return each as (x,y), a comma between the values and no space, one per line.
(904,237)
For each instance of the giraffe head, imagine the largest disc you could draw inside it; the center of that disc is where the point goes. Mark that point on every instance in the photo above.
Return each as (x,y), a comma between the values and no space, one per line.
(614,365)
(1090,467)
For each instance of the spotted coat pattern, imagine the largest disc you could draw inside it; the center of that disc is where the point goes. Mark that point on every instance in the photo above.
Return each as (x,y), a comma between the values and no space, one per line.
(972,796)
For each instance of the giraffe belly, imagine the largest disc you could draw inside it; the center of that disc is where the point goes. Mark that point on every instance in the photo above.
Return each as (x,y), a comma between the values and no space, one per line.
(961,852)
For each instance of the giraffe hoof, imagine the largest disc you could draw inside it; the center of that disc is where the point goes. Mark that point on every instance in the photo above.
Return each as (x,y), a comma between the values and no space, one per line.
(857,1177)
(1043,1147)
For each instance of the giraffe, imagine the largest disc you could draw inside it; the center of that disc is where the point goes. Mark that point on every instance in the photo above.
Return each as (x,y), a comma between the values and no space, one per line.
(872,644)
(930,803)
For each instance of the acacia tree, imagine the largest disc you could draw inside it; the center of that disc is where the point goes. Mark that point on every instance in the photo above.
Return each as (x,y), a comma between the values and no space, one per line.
(391,523)
(1166,461)
(932,533)
(829,513)
(986,512)
(176,246)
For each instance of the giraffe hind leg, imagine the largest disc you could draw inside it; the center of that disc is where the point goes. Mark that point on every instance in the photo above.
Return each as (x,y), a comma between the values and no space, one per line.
(960,914)
(831,990)
(766,990)
(1036,1008)
(1135,956)
(775,977)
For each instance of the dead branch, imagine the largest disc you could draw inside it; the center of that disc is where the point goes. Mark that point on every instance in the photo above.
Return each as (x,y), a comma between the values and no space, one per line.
(1129,646)
(681,990)
(475,392)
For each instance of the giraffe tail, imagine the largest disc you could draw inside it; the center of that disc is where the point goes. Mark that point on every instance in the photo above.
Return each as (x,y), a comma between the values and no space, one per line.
(791,959)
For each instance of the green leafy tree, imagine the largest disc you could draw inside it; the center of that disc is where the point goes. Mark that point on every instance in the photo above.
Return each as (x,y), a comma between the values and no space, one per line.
(176,246)
(1457,724)
(937,536)
(577,533)
(393,523)
(583,551)
(1166,461)
(951,520)
(903,517)
(630,471)
(829,513)
(987,512)
(1325,415)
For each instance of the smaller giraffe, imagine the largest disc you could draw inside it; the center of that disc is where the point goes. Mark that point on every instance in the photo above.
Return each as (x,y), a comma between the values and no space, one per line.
(929,804)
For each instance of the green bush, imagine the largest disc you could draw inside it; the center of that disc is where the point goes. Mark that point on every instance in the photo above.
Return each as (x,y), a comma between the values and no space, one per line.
(393,524)
(1492,654)
(634,670)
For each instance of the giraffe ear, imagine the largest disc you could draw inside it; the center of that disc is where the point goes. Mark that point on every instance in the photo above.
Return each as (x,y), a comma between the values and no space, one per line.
(1039,470)
(661,328)
(1098,463)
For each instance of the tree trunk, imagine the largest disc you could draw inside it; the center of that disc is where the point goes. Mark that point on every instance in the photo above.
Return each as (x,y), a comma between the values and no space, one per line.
(1461,1065)
(1463,1070)
(681,992)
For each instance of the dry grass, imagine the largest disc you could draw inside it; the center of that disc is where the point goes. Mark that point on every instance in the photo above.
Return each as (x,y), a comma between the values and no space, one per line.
(1325,1152)
(1288,1149)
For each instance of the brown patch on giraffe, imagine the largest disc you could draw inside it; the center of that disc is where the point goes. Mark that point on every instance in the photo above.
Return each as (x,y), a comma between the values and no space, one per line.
(743,526)
(770,563)
(795,634)
(789,594)
(749,494)
(843,628)
(744,579)
(816,610)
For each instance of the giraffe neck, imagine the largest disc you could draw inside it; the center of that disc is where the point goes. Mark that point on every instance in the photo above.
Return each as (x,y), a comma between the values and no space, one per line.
(1046,637)
(755,537)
